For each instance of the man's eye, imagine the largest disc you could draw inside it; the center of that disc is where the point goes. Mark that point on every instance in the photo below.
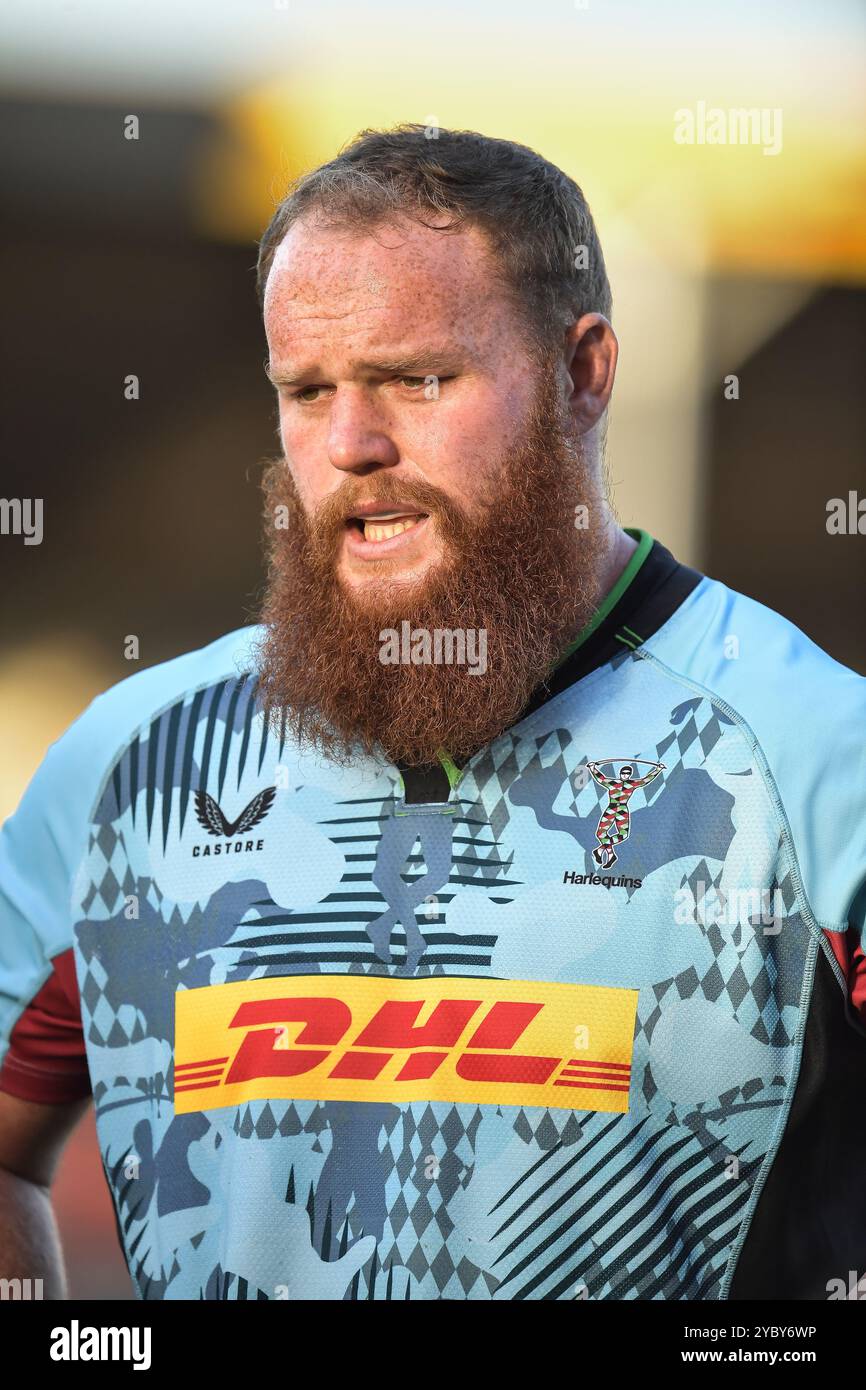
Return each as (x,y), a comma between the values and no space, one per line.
(308,395)
(428,384)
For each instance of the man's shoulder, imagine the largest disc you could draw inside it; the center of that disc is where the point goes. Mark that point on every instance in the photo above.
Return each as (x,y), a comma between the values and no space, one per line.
(751,657)
(804,715)
(44,840)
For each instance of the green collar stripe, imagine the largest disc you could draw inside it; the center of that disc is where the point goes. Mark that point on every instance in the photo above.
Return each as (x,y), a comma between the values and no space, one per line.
(453,772)
(644,546)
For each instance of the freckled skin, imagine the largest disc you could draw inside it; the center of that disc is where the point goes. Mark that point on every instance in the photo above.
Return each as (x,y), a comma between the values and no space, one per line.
(499,462)
(336,300)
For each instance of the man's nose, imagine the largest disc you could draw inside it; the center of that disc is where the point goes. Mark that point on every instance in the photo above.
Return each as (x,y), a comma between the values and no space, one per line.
(359,438)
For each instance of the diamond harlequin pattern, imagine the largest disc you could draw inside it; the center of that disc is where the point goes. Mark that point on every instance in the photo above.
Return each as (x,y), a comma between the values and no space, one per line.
(424,1155)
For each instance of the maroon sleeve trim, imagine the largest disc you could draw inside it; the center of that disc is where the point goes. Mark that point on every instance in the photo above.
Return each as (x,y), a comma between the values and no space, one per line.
(849,953)
(47,1059)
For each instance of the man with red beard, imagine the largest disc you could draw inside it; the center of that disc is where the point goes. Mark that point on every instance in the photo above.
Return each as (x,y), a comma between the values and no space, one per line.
(313,912)
(440,467)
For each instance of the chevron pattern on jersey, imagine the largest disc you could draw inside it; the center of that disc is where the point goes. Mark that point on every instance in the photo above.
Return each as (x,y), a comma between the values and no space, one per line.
(429,1199)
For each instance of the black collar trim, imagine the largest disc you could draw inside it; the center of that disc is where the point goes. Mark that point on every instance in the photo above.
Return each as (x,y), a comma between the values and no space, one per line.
(653,596)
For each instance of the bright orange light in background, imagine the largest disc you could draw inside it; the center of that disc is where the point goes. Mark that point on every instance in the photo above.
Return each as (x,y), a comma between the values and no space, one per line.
(596,90)
(595,86)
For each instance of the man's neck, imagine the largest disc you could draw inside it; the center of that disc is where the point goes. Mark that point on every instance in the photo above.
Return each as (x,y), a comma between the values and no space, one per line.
(618,554)
(618,551)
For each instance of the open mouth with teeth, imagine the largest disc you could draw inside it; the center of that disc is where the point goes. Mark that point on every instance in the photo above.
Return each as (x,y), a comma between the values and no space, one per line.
(385,525)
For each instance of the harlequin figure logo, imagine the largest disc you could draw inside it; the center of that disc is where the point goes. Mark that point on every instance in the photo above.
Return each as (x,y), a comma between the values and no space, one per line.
(615,822)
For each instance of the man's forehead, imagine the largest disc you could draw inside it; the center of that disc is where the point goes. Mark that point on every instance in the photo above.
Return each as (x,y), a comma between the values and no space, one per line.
(390,261)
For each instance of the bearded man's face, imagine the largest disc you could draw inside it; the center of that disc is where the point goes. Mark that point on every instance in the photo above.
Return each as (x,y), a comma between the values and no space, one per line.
(407,394)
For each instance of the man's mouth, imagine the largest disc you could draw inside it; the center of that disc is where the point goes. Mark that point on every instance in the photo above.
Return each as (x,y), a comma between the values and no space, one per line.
(383,526)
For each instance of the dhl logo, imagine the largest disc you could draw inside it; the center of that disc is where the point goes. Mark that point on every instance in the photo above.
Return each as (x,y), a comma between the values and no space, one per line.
(374,1038)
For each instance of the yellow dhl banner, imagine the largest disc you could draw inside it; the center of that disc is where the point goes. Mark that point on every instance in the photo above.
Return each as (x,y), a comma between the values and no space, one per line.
(376,1038)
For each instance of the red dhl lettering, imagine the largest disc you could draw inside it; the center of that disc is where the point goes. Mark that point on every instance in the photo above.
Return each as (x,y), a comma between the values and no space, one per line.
(393,1029)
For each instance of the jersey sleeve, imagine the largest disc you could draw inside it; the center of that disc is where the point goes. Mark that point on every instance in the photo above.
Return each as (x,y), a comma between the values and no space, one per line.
(805,714)
(42,847)
(46,1059)
(42,1054)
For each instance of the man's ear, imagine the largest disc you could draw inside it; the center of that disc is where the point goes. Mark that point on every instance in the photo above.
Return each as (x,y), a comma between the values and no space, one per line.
(591,350)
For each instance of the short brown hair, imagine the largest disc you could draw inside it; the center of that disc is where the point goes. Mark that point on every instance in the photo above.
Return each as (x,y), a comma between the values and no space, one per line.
(535,217)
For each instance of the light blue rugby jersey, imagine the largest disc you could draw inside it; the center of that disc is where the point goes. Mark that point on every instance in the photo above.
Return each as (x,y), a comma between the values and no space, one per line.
(538,1032)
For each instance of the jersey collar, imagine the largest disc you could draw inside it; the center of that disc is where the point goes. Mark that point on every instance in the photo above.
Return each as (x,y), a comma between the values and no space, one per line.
(648,592)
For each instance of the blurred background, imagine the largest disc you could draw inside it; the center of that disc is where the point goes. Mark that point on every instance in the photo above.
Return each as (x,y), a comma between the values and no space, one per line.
(136,257)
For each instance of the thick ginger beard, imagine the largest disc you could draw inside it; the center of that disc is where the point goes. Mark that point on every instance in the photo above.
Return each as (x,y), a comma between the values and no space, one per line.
(518,567)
